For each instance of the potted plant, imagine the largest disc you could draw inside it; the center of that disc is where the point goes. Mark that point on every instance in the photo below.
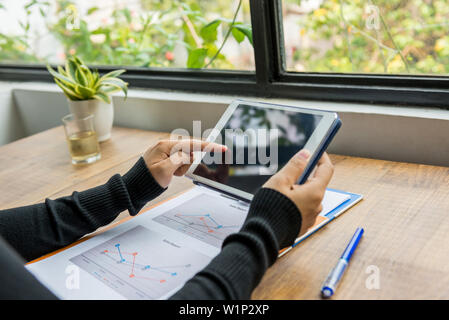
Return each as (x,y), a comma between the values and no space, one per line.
(89,93)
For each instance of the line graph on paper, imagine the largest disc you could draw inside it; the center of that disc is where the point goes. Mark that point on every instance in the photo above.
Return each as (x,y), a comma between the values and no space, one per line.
(207,218)
(141,264)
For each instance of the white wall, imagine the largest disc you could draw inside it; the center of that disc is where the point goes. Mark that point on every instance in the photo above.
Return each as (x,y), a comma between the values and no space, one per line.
(11,126)
(419,135)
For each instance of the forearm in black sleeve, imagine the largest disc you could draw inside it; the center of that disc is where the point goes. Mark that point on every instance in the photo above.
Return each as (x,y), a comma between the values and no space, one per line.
(273,222)
(38,229)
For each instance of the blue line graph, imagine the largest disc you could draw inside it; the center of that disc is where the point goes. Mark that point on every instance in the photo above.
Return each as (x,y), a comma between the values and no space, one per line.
(132,263)
(141,264)
(206,218)
(204,224)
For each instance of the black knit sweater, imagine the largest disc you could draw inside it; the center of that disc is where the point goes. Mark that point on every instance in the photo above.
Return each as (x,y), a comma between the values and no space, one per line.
(29,232)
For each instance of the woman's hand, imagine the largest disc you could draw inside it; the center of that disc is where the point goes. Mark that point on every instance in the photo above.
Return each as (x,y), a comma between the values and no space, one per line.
(174,157)
(308,196)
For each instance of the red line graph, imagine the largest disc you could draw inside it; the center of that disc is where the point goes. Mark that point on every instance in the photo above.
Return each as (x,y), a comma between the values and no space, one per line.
(133,264)
(212,227)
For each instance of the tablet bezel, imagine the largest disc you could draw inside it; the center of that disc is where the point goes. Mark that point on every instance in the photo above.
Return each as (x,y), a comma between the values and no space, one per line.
(315,142)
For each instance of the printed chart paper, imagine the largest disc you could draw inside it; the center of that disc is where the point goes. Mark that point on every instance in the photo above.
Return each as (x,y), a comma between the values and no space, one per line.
(153,254)
(141,264)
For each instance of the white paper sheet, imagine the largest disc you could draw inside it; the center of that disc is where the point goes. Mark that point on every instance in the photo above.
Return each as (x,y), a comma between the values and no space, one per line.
(152,255)
(332,200)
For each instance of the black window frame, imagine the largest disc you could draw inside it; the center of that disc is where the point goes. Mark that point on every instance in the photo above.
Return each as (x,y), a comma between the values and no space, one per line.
(270,78)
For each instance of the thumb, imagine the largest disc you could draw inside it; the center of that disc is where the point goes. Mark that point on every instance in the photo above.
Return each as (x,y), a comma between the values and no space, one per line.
(295,166)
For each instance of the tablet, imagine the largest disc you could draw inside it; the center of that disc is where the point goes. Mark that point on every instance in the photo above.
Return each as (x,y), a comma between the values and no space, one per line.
(261,138)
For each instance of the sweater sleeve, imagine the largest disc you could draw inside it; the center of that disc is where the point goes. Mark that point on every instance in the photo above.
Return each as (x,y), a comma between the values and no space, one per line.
(41,228)
(273,222)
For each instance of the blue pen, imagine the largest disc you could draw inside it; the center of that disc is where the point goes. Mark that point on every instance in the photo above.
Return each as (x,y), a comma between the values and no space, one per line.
(335,275)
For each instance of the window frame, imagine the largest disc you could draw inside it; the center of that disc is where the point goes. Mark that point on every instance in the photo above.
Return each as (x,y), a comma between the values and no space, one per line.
(270,78)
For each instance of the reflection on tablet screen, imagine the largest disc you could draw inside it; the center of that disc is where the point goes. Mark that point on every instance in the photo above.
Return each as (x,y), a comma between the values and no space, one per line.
(260,141)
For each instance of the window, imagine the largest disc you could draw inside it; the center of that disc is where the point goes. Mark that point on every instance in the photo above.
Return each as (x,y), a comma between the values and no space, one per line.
(372,36)
(372,51)
(141,33)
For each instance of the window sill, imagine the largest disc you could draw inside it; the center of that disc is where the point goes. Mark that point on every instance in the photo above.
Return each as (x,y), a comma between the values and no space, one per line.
(167,95)
(408,134)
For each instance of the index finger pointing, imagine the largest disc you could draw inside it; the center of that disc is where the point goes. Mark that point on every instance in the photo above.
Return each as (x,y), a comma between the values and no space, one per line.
(193,145)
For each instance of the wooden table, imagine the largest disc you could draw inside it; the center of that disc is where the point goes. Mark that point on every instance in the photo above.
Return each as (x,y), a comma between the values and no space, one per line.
(405,213)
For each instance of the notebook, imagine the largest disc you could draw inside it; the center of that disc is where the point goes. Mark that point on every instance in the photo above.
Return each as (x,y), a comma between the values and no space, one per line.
(335,203)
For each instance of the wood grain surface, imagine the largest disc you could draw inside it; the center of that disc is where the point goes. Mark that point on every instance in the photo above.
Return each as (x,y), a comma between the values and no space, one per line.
(405,213)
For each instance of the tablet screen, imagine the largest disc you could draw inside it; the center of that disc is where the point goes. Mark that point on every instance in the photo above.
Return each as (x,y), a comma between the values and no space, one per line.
(260,142)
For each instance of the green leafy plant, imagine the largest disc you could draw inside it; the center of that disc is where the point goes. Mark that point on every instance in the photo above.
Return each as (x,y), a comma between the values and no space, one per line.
(209,32)
(163,34)
(78,82)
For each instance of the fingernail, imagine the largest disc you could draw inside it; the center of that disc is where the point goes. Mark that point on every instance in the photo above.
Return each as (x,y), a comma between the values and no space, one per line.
(305,154)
